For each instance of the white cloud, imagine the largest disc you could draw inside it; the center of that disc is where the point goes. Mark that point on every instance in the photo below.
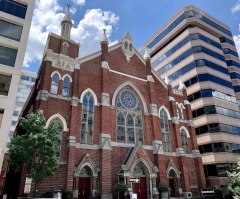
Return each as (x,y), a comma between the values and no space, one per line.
(90,29)
(237,43)
(79,2)
(236,7)
(88,32)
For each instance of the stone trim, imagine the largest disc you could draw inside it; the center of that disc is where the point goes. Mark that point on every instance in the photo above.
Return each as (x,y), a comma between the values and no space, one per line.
(42,95)
(62,61)
(150,78)
(105,99)
(154,109)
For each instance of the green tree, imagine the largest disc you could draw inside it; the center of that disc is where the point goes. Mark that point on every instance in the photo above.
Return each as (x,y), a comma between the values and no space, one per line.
(35,151)
(234,184)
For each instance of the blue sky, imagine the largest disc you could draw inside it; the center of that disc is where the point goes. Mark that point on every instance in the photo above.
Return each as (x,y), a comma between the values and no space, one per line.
(140,18)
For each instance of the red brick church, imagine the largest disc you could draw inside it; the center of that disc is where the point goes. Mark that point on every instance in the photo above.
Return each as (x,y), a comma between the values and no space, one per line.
(119,121)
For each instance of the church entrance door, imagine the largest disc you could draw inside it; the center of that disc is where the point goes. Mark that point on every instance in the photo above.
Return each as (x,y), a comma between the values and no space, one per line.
(141,188)
(84,188)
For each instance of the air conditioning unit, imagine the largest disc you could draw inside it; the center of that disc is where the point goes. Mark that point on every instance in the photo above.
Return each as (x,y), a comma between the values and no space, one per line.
(187,194)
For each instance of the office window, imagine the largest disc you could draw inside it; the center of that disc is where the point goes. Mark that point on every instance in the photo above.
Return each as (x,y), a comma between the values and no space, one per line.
(13,8)
(10,30)
(8,56)
(1,116)
(15,113)
(14,123)
(5,82)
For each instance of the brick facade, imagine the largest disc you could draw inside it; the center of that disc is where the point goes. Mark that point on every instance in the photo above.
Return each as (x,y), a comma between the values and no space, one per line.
(105,75)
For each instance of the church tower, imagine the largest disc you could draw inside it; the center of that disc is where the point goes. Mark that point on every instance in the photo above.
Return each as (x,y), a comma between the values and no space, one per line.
(66,24)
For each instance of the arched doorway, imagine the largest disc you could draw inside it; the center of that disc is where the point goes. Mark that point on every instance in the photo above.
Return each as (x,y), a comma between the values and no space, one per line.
(84,183)
(173,183)
(141,188)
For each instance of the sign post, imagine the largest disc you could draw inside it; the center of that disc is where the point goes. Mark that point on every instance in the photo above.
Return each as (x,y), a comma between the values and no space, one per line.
(134,180)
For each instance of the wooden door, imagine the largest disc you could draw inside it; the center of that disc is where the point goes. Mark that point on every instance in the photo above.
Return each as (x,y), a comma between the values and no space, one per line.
(141,188)
(84,188)
(172,185)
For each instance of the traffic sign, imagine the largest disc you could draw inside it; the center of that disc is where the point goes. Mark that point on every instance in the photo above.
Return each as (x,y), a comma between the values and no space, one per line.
(134,180)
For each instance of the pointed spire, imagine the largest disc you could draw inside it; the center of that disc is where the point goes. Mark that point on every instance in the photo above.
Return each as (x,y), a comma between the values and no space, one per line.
(66,24)
(67,17)
(166,79)
(181,85)
(146,54)
(104,37)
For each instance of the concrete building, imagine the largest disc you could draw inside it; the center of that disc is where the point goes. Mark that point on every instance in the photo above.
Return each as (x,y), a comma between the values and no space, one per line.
(196,51)
(27,81)
(118,120)
(15,21)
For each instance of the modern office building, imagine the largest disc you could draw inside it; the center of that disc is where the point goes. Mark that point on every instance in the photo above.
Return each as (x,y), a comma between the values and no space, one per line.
(198,50)
(27,81)
(15,21)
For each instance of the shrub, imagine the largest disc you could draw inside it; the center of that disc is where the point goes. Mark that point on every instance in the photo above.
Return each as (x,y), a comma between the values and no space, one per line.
(162,187)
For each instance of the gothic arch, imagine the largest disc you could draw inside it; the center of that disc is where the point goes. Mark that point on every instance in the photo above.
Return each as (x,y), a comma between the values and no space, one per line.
(86,161)
(61,118)
(171,166)
(185,129)
(147,167)
(67,75)
(128,83)
(93,94)
(164,108)
(56,72)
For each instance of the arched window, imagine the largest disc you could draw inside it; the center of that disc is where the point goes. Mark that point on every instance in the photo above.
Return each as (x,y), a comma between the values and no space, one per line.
(129,118)
(139,170)
(130,47)
(66,87)
(126,45)
(60,127)
(65,47)
(87,119)
(139,128)
(184,141)
(166,140)
(178,107)
(54,84)
(121,127)
(130,129)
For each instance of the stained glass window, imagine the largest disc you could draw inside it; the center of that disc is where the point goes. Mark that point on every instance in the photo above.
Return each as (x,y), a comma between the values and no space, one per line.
(166,140)
(87,119)
(129,118)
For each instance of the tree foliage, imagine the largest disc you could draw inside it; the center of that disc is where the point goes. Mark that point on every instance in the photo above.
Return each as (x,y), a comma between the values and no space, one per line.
(234,184)
(36,149)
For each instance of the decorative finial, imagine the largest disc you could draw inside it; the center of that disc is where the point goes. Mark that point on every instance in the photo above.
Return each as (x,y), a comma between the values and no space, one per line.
(166,79)
(68,6)
(181,85)
(104,37)
(146,54)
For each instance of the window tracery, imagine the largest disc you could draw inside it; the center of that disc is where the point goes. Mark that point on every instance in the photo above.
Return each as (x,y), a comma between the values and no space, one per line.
(185,140)
(129,118)
(87,119)
(166,139)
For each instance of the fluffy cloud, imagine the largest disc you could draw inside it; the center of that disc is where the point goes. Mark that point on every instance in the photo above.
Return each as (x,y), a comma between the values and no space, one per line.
(79,2)
(90,29)
(237,42)
(236,7)
(47,18)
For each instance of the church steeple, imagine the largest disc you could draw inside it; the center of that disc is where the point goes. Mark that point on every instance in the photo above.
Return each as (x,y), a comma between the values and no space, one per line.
(66,24)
